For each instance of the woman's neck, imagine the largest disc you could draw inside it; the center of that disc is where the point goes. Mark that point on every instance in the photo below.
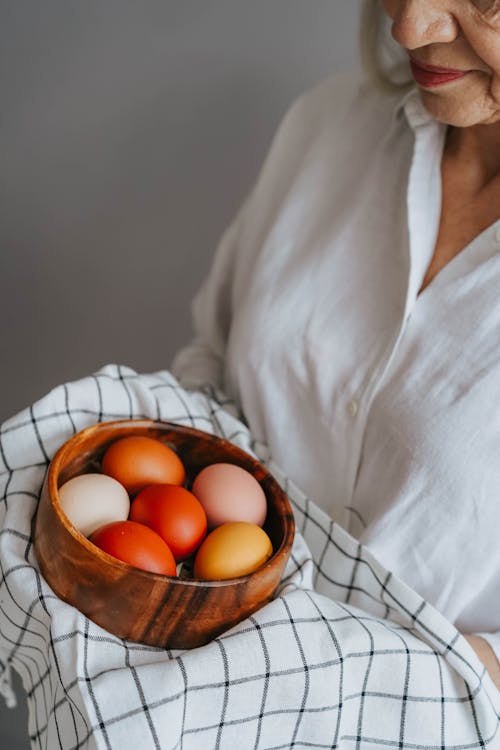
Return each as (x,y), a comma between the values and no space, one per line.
(476,150)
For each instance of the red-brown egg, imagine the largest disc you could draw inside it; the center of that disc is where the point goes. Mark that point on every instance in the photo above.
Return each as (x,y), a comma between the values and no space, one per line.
(136,545)
(175,514)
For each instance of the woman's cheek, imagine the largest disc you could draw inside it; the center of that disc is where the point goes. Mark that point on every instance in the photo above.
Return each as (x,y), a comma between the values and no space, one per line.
(482,31)
(489,9)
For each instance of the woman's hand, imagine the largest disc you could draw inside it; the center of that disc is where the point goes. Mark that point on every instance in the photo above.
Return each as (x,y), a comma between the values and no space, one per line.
(487,656)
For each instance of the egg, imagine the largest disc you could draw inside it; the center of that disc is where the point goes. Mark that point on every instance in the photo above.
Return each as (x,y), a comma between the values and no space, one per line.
(232,550)
(229,493)
(91,500)
(136,545)
(138,461)
(174,513)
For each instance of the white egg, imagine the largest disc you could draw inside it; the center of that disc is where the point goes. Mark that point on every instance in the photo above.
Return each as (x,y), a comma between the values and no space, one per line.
(92,500)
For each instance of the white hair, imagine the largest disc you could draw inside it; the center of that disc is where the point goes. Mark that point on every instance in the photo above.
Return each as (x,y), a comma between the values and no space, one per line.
(384,62)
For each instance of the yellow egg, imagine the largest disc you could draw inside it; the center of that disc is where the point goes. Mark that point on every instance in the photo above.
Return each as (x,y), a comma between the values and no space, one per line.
(232,550)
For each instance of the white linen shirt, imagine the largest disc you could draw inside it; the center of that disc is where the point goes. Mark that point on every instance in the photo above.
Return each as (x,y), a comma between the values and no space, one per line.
(382,404)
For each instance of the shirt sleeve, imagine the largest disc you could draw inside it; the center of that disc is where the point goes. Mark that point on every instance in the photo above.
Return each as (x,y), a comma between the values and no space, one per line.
(200,364)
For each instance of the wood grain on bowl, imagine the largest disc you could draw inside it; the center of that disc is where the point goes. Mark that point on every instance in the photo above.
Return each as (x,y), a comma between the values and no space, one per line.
(135,604)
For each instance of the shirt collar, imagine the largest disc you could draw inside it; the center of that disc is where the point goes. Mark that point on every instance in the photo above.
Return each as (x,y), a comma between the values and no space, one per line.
(411,105)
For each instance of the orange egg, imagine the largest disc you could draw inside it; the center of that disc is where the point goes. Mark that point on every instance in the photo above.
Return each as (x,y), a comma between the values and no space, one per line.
(138,461)
(232,550)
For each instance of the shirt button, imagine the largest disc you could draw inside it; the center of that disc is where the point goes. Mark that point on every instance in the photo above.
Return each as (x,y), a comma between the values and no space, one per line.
(352,407)
(497,234)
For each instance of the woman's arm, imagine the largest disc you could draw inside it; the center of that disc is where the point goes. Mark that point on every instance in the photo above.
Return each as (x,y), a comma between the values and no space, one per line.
(487,657)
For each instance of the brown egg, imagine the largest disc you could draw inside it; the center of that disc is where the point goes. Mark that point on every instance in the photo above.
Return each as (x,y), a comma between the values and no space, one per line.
(138,461)
(232,550)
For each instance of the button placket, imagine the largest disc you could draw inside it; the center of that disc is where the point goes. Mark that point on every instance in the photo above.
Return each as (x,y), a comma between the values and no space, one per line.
(429,139)
(352,407)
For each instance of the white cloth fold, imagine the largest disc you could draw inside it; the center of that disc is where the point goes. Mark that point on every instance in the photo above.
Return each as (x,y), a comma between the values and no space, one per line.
(345,656)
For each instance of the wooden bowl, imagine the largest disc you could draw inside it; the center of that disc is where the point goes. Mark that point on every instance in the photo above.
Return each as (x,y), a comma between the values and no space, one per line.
(136,604)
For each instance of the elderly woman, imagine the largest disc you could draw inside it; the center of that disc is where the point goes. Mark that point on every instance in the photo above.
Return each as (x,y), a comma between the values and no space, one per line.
(353,316)
(353,308)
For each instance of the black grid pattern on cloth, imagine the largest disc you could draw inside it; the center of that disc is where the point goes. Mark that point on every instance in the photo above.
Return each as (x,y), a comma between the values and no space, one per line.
(346,655)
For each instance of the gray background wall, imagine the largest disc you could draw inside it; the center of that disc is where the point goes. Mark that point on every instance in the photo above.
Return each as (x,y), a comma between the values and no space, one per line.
(129,134)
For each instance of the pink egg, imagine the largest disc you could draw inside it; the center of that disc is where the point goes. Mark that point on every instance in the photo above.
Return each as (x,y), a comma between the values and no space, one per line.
(229,493)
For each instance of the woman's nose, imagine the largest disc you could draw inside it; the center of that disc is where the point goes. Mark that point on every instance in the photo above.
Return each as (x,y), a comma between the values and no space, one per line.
(417,23)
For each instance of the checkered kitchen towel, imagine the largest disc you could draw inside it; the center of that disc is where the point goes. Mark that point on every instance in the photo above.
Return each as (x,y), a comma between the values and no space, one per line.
(346,656)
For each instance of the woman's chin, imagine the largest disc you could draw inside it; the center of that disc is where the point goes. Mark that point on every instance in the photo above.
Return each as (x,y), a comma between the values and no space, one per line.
(461,104)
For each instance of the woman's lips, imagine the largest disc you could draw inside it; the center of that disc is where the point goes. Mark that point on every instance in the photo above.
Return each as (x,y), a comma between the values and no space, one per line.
(431,75)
